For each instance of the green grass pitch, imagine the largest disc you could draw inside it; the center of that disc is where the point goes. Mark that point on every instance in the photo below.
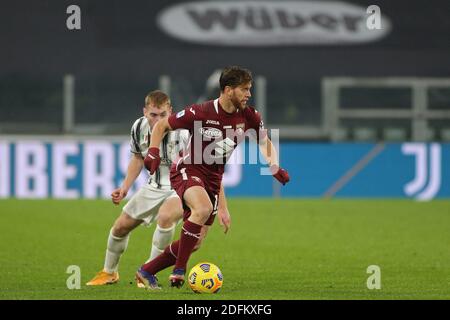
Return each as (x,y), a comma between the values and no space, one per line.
(276,249)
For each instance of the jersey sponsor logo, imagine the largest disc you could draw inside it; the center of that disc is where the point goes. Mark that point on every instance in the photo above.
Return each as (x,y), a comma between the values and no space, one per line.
(180,114)
(276,23)
(211,133)
(217,123)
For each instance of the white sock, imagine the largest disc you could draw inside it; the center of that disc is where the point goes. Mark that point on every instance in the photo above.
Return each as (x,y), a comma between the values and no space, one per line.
(116,246)
(161,239)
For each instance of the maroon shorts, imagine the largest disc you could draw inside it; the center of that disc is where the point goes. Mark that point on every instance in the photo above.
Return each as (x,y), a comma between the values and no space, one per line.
(183,179)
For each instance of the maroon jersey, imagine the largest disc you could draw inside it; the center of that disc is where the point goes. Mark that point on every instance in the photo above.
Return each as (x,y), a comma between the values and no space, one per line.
(214,135)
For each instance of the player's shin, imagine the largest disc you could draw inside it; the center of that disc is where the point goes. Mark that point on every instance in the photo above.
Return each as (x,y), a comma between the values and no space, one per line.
(190,234)
(115,247)
(164,260)
(161,239)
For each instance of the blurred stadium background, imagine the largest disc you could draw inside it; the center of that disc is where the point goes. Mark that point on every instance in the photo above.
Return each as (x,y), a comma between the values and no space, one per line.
(361,113)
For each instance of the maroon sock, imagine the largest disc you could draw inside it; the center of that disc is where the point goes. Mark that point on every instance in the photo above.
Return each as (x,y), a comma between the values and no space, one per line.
(190,233)
(164,260)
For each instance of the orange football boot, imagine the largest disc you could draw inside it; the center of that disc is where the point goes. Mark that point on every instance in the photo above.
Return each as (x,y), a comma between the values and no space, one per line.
(102,278)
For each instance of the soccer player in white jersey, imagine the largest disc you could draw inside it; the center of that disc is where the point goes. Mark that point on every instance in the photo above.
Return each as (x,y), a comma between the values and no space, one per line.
(154,201)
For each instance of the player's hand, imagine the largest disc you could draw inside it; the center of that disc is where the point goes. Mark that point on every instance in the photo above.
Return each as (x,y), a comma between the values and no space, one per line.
(118,194)
(280,174)
(152,160)
(224,219)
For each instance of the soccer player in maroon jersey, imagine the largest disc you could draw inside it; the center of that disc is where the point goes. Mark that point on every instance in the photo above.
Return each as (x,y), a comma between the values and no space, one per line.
(216,128)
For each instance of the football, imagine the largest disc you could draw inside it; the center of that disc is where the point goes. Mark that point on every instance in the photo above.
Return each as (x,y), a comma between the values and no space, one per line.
(205,277)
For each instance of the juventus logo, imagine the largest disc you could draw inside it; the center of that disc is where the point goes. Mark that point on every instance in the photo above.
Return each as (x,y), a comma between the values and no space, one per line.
(427,167)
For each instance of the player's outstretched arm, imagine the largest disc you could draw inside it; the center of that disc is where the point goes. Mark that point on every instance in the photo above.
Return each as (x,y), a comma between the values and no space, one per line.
(265,145)
(270,154)
(268,151)
(158,132)
(134,168)
(152,159)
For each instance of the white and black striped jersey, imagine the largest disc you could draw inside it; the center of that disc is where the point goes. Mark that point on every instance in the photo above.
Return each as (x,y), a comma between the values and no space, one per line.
(173,142)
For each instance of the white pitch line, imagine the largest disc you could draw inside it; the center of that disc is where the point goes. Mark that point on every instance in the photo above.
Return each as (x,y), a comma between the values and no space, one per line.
(361,164)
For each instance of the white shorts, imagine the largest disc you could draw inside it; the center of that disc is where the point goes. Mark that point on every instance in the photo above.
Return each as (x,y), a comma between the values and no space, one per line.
(145,203)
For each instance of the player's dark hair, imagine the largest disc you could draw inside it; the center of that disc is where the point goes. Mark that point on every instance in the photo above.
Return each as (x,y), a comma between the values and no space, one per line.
(157,98)
(234,76)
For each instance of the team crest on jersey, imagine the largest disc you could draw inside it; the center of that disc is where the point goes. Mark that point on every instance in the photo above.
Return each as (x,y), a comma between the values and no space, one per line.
(240,128)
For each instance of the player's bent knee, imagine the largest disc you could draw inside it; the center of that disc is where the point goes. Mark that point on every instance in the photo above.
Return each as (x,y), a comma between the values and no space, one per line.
(122,227)
(178,215)
(203,211)
(120,231)
(165,220)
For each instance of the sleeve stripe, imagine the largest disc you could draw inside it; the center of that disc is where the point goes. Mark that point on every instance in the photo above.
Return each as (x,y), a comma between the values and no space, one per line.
(164,146)
(178,143)
(158,178)
(136,134)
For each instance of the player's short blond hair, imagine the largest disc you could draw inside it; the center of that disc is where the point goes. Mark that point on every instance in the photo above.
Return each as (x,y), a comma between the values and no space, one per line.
(156,98)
